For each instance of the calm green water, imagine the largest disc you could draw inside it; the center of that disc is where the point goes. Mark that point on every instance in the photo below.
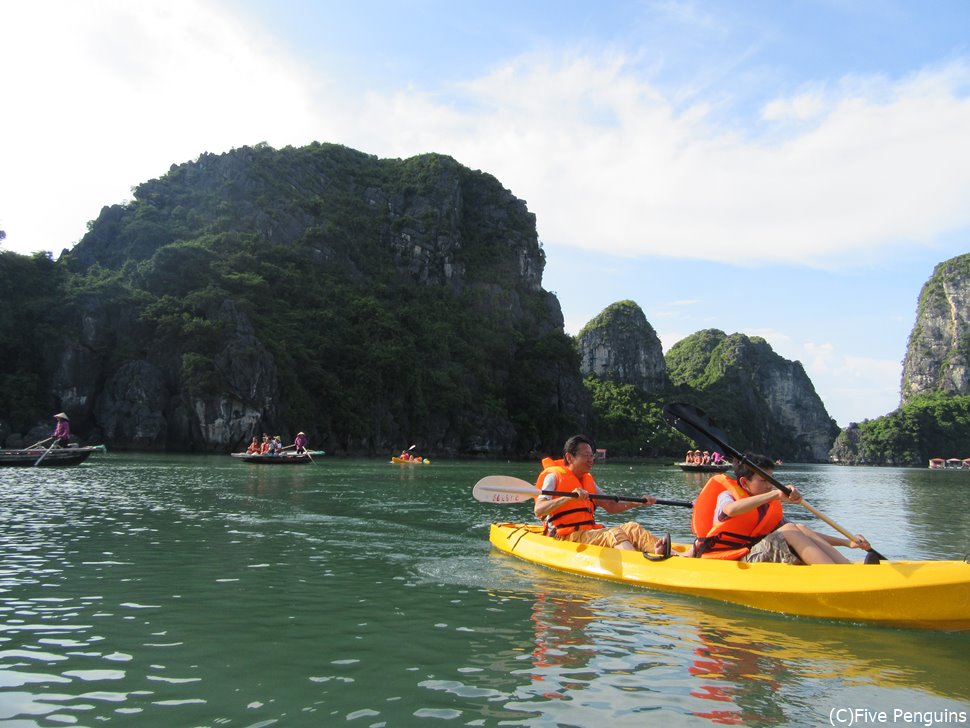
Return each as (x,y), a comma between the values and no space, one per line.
(202,591)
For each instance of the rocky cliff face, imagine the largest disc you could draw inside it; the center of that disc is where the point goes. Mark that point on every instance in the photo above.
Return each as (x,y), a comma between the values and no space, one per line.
(762,396)
(187,338)
(621,345)
(938,353)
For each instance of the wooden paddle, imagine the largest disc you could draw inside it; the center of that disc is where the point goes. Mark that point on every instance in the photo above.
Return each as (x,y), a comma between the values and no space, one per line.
(45,453)
(39,442)
(694,422)
(506,489)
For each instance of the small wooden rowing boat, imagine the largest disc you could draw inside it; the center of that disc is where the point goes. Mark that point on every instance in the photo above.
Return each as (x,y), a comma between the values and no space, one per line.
(55,457)
(288,458)
(704,468)
(925,594)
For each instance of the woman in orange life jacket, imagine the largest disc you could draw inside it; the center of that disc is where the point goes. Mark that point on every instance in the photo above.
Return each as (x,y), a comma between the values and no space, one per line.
(747,523)
(572,519)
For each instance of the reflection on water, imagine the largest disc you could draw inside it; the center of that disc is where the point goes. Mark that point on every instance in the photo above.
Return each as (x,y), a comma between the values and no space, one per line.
(171,590)
(723,665)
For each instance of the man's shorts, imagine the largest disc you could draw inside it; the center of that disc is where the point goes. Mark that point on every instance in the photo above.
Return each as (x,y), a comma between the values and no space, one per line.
(772,548)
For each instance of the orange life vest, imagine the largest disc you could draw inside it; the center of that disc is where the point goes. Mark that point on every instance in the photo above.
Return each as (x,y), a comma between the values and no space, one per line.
(731,538)
(575,515)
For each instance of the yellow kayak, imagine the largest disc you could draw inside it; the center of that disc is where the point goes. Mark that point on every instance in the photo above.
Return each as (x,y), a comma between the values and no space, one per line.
(924,594)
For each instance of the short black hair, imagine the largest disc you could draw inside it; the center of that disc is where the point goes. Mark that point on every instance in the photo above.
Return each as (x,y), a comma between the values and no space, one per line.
(743,470)
(573,443)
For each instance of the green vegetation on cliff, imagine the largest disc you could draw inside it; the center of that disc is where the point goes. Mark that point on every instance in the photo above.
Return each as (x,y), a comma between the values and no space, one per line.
(32,312)
(400,301)
(928,426)
(621,313)
(628,422)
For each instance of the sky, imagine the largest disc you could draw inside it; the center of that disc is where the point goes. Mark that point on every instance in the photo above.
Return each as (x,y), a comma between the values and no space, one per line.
(792,170)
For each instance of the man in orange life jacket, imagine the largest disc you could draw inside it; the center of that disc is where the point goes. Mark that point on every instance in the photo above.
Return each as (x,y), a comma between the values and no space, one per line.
(571,518)
(742,520)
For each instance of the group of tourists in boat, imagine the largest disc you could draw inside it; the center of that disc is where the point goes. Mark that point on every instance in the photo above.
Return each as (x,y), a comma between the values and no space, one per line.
(697,457)
(736,518)
(698,461)
(274,445)
(51,451)
(272,451)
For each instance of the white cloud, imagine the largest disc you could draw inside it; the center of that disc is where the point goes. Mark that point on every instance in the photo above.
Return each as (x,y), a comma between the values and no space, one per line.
(109,94)
(850,384)
(609,163)
(808,105)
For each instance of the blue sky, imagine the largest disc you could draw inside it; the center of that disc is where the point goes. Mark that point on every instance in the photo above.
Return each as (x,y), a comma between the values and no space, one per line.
(793,170)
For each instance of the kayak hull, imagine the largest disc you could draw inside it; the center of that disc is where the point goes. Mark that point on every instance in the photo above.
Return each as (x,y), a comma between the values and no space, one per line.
(918,594)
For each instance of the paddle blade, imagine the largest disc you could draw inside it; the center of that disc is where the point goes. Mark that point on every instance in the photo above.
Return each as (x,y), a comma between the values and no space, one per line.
(694,422)
(503,489)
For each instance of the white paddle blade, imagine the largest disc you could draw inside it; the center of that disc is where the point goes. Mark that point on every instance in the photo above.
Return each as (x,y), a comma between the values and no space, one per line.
(503,489)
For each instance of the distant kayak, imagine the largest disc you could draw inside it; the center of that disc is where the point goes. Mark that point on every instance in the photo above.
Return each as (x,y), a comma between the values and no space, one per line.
(286,459)
(708,468)
(924,594)
(412,461)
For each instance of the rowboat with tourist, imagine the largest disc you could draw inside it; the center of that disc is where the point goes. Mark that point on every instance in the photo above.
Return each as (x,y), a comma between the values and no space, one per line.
(704,461)
(284,458)
(272,452)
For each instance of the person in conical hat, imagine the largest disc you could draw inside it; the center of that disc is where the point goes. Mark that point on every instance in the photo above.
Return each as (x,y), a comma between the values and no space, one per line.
(62,432)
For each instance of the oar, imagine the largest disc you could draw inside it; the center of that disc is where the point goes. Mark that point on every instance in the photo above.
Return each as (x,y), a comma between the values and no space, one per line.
(506,489)
(39,442)
(45,453)
(695,423)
